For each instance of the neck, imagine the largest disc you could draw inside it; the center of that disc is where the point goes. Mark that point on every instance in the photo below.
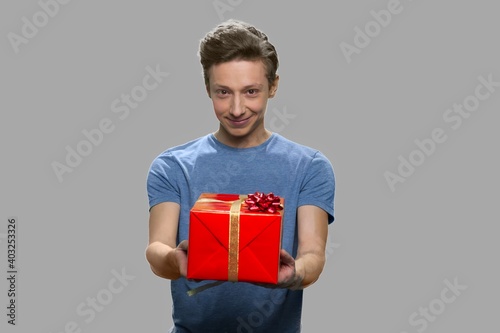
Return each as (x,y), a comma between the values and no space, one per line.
(254,140)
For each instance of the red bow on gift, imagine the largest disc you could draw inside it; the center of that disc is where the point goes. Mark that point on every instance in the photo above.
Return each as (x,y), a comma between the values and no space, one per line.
(260,202)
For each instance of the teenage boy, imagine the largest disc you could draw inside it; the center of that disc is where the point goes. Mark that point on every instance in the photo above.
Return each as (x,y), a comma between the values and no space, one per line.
(242,156)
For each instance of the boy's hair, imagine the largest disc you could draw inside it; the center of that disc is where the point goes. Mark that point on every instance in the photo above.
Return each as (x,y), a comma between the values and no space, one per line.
(237,40)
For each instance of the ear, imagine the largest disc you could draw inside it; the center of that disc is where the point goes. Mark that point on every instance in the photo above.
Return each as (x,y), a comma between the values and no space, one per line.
(274,87)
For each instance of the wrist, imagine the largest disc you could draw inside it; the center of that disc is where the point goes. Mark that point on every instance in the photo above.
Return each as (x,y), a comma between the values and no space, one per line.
(173,264)
(299,275)
(308,270)
(163,261)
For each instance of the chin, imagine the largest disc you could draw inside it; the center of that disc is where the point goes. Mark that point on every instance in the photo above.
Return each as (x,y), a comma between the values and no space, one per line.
(238,133)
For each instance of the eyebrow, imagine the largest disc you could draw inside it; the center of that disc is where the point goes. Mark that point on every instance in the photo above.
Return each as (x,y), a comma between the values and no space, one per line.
(250,86)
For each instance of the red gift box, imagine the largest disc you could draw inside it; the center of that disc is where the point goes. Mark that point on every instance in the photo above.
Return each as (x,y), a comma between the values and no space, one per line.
(230,242)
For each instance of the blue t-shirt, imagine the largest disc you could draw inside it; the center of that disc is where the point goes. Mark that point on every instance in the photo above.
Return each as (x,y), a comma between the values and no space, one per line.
(299,174)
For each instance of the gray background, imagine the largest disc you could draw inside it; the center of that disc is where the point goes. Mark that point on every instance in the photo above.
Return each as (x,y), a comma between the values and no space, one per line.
(390,251)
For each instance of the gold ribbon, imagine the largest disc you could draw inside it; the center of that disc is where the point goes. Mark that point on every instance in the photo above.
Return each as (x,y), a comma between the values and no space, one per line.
(234,241)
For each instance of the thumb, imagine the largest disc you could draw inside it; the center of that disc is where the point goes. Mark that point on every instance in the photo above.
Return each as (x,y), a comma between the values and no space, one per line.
(286,258)
(183,245)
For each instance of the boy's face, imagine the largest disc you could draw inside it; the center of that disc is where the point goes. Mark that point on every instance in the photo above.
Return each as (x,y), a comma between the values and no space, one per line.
(239,90)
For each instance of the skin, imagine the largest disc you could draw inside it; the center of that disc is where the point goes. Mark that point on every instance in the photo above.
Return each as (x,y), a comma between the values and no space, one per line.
(239,90)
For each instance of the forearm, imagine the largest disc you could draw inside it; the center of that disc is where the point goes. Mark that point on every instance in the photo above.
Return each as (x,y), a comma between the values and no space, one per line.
(313,233)
(162,260)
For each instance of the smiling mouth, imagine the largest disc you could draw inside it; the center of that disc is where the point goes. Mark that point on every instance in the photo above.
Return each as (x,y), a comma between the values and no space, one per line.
(239,122)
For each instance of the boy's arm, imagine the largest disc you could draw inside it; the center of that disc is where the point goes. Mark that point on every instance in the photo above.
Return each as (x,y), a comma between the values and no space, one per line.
(308,265)
(313,234)
(166,260)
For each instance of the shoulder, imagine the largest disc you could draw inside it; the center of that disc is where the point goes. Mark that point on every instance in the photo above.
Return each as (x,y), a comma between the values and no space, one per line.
(295,150)
(184,151)
(170,167)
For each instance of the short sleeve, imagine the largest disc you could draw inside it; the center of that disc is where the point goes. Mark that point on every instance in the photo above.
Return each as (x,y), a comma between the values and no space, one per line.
(163,181)
(318,186)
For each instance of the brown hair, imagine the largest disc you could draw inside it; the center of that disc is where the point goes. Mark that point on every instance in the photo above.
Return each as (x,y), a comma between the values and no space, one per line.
(237,40)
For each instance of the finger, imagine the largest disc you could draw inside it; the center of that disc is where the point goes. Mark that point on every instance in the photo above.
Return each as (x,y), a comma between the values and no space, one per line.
(183,245)
(286,258)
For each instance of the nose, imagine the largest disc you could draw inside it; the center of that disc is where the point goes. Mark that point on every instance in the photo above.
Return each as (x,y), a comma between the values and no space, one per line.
(237,107)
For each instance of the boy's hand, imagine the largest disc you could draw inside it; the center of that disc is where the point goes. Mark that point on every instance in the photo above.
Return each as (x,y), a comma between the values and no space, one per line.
(287,276)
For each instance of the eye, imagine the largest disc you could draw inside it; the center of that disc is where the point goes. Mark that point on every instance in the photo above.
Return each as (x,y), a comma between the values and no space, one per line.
(252,91)
(222,92)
